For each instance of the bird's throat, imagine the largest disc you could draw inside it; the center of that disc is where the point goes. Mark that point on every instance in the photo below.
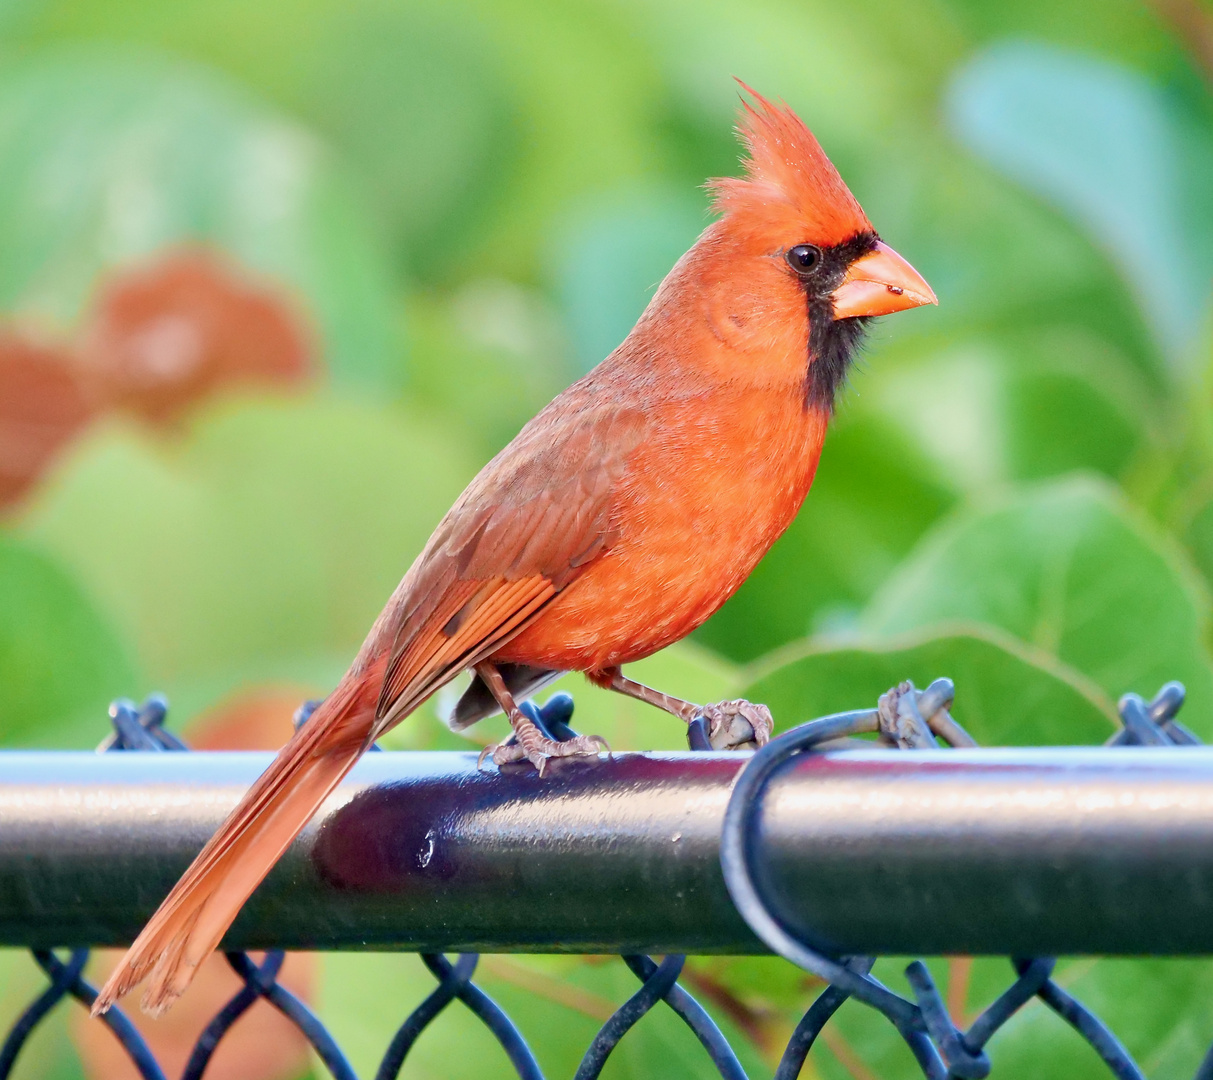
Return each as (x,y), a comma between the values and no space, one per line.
(833,344)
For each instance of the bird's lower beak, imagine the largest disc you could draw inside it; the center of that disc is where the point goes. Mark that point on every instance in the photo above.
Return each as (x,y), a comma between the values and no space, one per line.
(880,283)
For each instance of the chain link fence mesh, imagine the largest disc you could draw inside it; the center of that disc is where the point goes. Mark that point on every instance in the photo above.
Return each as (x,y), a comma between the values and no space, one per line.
(905,717)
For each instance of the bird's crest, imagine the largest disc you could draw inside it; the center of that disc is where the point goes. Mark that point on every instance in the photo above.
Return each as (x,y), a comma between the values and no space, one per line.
(786,165)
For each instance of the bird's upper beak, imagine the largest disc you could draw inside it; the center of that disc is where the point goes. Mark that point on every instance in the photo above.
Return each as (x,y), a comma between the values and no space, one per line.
(880,283)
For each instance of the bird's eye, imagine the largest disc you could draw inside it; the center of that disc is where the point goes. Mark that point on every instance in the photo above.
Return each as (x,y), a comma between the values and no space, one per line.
(803,258)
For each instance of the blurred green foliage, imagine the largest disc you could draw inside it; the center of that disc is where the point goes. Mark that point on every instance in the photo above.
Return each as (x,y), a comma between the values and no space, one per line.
(109,155)
(467,204)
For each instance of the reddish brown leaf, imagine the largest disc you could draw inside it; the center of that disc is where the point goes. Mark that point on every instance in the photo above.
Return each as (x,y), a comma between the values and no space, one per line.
(257,719)
(161,338)
(42,406)
(262,1045)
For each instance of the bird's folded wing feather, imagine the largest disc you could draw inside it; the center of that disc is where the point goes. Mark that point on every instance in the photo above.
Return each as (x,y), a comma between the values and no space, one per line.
(525,528)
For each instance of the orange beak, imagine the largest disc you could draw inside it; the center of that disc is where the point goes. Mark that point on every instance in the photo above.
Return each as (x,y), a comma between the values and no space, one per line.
(880,283)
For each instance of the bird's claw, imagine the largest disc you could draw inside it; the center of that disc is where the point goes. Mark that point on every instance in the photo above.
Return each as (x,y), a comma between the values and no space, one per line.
(540,751)
(734,725)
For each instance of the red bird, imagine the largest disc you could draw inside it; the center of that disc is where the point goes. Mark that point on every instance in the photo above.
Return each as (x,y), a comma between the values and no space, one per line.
(618,520)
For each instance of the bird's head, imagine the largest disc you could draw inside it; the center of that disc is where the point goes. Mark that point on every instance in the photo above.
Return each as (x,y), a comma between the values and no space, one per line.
(800,251)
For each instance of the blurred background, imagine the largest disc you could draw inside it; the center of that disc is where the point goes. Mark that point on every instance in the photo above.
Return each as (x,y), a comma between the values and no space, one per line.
(276,279)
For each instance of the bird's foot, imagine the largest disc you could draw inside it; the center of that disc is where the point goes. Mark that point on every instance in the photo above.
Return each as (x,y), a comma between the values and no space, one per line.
(736,725)
(539,750)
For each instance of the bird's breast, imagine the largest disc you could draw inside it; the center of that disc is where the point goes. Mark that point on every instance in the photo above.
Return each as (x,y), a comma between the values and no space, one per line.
(703,499)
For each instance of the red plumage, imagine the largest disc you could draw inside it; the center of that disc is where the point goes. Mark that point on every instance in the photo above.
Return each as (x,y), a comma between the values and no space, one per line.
(616,522)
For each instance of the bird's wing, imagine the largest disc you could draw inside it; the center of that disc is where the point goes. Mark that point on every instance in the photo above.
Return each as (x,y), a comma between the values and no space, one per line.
(527,526)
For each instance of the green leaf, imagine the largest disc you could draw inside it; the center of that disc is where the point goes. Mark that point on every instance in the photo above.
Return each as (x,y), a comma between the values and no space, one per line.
(50,1053)
(61,663)
(1159,1009)
(363,1023)
(1071,405)
(1009,272)
(610,255)
(1116,154)
(1007,693)
(489,358)
(418,103)
(1025,404)
(261,545)
(558,1003)
(1068,568)
(108,156)
(806,53)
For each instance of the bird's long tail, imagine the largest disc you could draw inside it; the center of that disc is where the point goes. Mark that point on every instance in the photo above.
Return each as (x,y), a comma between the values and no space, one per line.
(202,905)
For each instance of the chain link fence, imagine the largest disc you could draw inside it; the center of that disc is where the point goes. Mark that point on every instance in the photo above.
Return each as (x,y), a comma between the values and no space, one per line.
(905,717)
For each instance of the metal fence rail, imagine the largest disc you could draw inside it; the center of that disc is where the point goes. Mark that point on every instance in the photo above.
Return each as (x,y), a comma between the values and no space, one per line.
(827,857)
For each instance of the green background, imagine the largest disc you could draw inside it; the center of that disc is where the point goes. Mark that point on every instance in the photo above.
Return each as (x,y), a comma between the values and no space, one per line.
(470,203)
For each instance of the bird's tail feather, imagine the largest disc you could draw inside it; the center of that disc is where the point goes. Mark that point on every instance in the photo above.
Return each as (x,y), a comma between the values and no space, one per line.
(202,905)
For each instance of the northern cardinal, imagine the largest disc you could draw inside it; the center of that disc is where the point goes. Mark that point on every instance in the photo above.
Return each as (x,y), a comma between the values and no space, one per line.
(615,523)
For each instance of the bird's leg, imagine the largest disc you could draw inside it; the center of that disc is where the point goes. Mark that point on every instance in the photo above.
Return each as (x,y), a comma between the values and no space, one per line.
(531,745)
(731,724)
(614,679)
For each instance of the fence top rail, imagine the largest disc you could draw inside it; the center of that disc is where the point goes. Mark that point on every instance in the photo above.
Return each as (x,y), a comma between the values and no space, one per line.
(1009,836)
(1008,851)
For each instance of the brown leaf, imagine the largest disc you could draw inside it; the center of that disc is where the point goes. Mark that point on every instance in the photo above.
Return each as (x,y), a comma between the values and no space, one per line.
(256,719)
(261,1045)
(43,405)
(160,338)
